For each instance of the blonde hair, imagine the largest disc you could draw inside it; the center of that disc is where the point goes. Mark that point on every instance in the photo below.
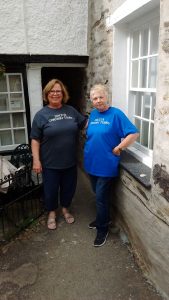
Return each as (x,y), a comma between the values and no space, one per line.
(48,87)
(98,87)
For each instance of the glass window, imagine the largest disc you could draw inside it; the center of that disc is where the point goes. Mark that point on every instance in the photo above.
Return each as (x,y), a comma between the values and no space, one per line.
(143,76)
(154,33)
(19,136)
(5,121)
(16,102)
(153,103)
(5,137)
(15,83)
(135,49)
(151,136)
(144,133)
(4,102)
(143,73)
(3,84)
(146,106)
(144,42)
(13,129)
(138,125)
(138,104)
(18,120)
(152,72)
(134,82)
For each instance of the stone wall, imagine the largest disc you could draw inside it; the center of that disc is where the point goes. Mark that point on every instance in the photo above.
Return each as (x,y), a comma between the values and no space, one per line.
(100,46)
(100,43)
(160,174)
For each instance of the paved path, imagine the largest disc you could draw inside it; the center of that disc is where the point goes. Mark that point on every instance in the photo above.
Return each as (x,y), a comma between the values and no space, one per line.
(63,264)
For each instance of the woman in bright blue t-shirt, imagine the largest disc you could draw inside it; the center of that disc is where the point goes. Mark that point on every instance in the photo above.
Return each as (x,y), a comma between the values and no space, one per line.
(109,132)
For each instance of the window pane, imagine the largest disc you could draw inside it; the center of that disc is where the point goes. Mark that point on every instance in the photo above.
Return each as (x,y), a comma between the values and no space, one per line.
(15,83)
(134,81)
(152,72)
(138,125)
(4,103)
(5,138)
(5,121)
(3,85)
(138,104)
(154,39)
(144,135)
(151,136)
(146,106)
(18,120)
(153,106)
(143,73)
(16,102)
(135,50)
(19,136)
(144,42)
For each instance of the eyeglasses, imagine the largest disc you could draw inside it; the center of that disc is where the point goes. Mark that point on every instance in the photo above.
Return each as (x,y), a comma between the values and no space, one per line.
(52,92)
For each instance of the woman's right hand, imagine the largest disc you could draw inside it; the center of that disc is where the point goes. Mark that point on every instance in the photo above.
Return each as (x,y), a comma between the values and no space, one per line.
(37,167)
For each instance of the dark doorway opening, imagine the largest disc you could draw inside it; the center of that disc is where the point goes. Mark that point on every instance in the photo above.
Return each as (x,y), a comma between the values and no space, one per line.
(74,78)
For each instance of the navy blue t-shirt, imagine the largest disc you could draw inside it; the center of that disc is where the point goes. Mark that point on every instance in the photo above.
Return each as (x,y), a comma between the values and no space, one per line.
(57,131)
(104,132)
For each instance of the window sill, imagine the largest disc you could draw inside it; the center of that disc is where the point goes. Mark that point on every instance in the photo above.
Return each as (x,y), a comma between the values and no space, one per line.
(145,158)
(137,169)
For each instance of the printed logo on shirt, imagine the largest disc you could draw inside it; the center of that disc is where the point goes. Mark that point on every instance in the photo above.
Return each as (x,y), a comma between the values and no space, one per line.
(59,117)
(99,121)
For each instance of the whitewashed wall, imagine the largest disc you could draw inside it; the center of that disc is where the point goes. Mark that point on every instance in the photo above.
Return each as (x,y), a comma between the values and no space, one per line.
(44,27)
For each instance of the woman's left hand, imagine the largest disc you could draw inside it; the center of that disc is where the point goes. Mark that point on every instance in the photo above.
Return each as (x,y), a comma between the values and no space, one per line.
(117,151)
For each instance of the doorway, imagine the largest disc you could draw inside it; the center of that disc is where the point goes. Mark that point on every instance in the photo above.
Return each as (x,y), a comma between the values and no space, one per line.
(74,78)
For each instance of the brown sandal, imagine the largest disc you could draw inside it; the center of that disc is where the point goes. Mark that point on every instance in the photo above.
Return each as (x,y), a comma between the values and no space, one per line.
(51,223)
(68,218)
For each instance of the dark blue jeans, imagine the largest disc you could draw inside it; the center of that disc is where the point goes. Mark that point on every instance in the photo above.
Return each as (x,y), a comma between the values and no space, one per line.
(59,185)
(102,188)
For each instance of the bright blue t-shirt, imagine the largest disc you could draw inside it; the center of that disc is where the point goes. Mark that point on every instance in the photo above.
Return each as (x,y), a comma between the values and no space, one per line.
(105,131)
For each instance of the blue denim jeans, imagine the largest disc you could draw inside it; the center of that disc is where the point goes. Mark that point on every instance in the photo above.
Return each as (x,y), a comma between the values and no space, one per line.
(102,188)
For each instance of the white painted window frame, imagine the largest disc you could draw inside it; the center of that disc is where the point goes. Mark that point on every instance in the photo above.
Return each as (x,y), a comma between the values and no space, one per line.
(122,22)
(146,24)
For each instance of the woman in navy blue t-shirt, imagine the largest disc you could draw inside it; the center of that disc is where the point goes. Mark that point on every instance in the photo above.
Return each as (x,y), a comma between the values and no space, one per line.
(54,139)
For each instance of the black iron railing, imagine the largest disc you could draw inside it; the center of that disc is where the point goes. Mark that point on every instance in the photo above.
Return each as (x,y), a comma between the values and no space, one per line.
(21,202)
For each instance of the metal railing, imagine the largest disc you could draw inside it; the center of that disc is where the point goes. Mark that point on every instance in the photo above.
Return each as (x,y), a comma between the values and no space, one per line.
(21,203)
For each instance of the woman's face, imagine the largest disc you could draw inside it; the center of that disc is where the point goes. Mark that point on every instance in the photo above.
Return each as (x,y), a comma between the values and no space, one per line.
(99,100)
(55,96)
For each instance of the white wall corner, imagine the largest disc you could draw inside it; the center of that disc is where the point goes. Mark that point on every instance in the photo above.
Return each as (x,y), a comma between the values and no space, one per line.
(34,88)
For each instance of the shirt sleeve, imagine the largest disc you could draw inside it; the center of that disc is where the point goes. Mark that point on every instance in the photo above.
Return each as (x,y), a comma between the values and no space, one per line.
(36,130)
(81,120)
(126,127)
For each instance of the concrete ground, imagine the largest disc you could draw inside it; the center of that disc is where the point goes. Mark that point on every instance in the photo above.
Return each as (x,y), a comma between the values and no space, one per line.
(63,264)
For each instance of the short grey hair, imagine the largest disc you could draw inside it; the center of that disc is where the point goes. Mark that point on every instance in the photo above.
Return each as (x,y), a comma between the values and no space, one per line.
(98,87)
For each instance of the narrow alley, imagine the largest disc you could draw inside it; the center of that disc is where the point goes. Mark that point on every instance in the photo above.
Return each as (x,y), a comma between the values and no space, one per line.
(63,264)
